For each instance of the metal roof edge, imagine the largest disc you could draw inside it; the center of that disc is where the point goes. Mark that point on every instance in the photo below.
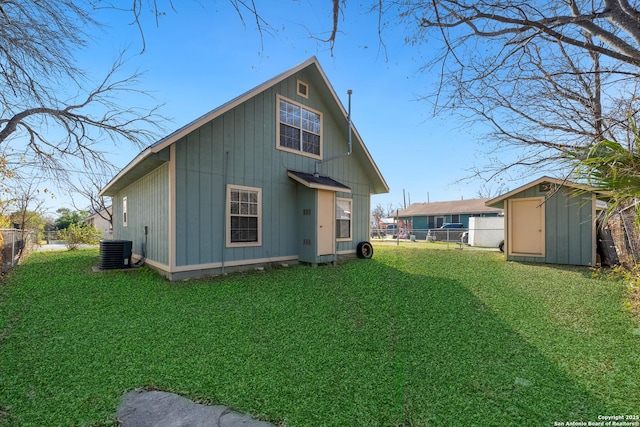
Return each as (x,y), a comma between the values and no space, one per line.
(143,155)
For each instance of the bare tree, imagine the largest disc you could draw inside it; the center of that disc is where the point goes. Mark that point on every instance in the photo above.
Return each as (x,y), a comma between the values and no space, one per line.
(88,188)
(612,26)
(247,11)
(488,191)
(26,204)
(378,214)
(42,87)
(52,115)
(547,76)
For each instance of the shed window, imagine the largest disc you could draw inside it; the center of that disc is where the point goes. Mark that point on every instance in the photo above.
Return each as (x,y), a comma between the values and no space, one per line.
(299,128)
(244,216)
(343,219)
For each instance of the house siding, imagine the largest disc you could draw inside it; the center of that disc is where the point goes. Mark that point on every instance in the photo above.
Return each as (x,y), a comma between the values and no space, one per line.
(183,202)
(239,148)
(148,205)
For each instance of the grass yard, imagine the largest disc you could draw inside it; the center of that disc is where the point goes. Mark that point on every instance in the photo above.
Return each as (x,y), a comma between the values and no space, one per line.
(411,337)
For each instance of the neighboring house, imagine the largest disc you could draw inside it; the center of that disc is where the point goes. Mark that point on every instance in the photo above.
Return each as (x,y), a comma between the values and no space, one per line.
(98,221)
(277,175)
(551,221)
(418,218)
(382,227)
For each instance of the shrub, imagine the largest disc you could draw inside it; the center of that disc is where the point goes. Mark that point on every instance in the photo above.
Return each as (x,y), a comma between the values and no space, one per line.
(77,234)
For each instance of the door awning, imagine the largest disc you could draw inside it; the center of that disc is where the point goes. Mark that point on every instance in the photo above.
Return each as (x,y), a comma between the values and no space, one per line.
(318,182)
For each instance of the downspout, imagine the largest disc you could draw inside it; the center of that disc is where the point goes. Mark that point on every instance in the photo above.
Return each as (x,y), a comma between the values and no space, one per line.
(316,173)
(225,170)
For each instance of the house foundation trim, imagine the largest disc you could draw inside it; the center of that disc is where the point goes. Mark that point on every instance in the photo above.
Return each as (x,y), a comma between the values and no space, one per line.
(238,263)
(347,252)
(154,264)
(213,265)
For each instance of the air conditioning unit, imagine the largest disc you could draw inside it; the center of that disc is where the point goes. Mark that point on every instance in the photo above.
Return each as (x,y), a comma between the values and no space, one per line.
(115,254)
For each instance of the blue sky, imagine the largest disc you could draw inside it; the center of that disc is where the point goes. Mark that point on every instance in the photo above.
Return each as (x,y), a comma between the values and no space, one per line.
(201,56)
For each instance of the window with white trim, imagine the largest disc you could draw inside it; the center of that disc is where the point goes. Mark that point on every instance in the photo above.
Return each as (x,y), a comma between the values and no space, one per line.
(244,215)
(124,212)
(299,128)
(343,218)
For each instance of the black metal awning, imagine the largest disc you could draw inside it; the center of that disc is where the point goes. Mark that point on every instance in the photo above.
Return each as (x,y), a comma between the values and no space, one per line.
(318,181)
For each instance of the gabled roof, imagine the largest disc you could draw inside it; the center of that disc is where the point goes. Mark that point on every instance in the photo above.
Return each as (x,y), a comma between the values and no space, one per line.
(470,206)
(149,158)
(498,201)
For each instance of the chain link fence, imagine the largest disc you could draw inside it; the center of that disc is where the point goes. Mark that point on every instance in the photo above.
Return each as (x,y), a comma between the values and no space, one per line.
(14,245)
(480,237)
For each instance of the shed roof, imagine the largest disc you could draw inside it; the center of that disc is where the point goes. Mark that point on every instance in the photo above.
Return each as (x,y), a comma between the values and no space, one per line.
(149,158)
(470,206)
(499,201)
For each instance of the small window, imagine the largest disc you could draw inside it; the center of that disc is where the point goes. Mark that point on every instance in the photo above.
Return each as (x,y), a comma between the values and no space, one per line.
(455,218)
(343,219)
(124,211)
(303,89)
(298,129)
(244,216)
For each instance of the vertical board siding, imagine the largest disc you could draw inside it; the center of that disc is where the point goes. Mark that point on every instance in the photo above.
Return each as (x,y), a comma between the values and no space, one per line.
(568,227)
(148,205)
(248,134)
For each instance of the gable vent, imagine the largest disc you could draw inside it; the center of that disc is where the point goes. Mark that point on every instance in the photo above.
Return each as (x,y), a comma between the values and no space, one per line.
(303,89)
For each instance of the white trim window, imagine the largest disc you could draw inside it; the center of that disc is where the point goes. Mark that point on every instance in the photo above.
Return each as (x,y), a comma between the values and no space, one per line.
(343,219)
(124,211)
(299,129)
(244,216)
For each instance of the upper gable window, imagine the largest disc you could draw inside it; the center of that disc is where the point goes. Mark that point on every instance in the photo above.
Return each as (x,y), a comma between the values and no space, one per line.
(299,128)
(303,89)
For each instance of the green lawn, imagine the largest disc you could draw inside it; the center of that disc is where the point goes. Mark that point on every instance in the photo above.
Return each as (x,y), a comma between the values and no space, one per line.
(411,337)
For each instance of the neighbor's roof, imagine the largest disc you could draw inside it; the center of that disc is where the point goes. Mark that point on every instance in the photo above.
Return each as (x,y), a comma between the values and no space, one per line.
(148,159)
(470,206)
(107,211)
(499,201)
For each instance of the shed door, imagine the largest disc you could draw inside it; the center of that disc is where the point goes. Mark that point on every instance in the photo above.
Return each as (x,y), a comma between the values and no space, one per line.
(326,221)
(526,227)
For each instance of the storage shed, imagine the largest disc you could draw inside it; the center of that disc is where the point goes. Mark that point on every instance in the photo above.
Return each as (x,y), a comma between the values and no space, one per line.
(550,221)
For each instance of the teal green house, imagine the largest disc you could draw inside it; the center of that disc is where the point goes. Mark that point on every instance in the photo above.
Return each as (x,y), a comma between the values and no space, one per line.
(550,221)
(274,176)
(419,218)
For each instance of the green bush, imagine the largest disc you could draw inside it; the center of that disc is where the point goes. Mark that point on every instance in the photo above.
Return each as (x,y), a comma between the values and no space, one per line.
(77,234)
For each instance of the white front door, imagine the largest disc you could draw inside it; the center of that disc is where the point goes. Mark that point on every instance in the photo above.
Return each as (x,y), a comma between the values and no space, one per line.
(326,222)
